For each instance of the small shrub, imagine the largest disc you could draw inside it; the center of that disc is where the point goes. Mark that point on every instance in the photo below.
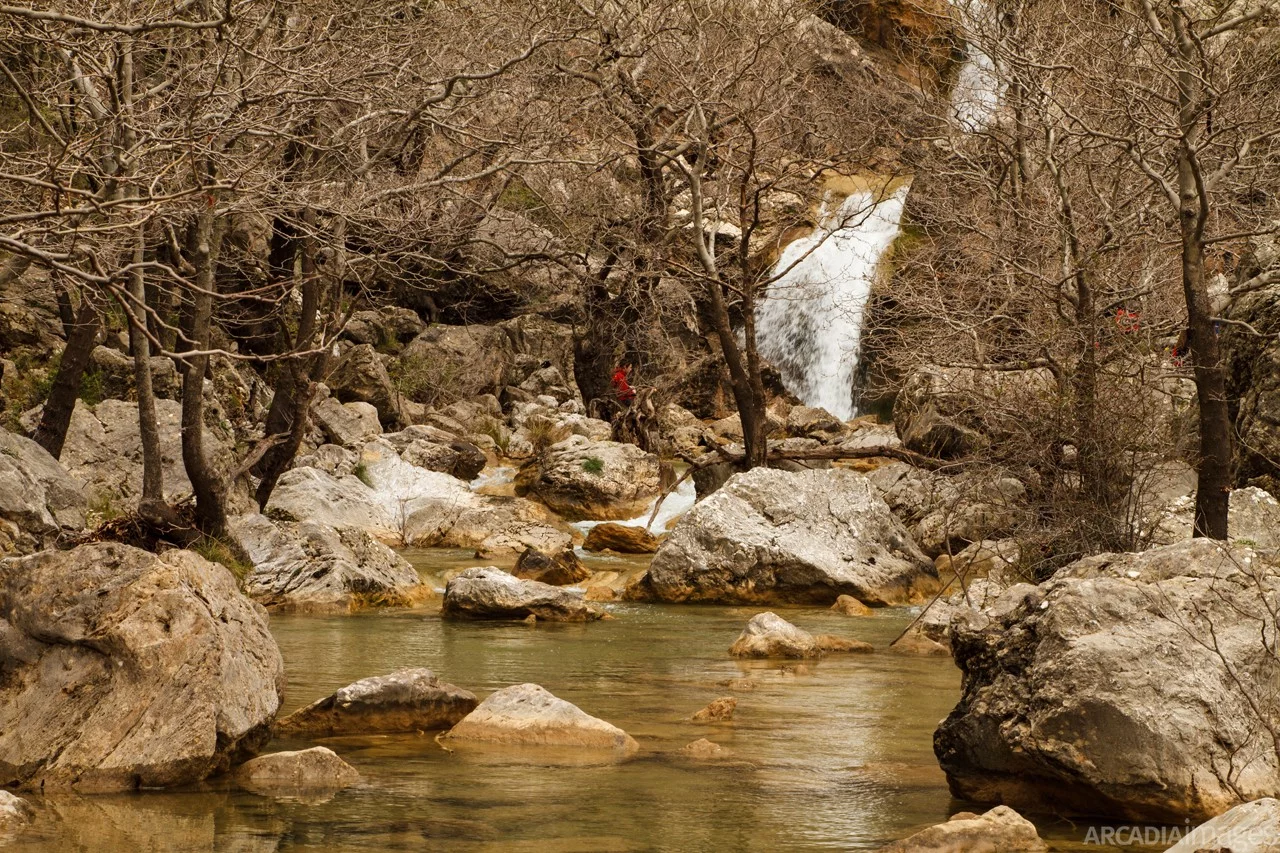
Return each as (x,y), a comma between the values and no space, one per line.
(593,465)
(544,432)
(362,474)
(495,429)
(217,551)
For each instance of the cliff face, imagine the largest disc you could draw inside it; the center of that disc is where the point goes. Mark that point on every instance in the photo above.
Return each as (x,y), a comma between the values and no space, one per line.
(918,39)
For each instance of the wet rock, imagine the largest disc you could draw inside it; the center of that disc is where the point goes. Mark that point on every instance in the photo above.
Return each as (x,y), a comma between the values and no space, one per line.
(1252,827)
(528,715)
(832,644)
(1123,687)
(15,813)
(37,495)
(490,593)
(915,642)
(623,539)
(850,606)
(310,566)
(997,559)
(563,569)
(702,749)
(409,700)
(127,669)
(807,537)
(718,711)
(361,377)
(600,480)
(768,635)
(315,769)
(1002,828)
(347,424)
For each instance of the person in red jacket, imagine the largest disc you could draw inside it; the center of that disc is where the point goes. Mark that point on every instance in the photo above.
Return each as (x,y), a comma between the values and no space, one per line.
(623,388)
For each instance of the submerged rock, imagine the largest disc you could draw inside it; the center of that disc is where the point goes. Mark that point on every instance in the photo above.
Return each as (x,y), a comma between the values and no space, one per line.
(717,711)
(621,538)
(832,644)
(770,535)
(1252,827)
(1001,829)
(1126,686)
(125,669)
(768,635)
(315,769)
(526,714)
(562,569)
(702,749)
(408,700)
(490,593)
(312,566)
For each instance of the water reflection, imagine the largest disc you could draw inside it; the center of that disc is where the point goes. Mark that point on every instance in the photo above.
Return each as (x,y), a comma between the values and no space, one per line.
(833,755)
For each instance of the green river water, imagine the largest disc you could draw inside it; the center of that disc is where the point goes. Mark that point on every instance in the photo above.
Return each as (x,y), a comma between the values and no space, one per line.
(833,755)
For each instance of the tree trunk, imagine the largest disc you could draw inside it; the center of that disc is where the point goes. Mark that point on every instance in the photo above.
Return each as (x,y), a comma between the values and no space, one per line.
(1213,467)
(206,483)
(152,501)
(81,339)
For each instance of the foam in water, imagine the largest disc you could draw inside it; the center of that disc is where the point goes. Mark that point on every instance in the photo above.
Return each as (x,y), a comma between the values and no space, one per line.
(810,324)
(676,504)
(976,94)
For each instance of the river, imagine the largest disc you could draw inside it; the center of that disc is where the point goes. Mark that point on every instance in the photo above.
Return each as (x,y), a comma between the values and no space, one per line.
(832,755)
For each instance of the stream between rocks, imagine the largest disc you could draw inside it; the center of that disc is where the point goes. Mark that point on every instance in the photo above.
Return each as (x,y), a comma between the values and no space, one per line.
(828,755)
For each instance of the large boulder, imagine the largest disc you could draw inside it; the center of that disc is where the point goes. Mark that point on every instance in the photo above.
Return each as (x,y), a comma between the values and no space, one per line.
(114,373)
(387,329)
(954,411)
(781,536)
(528,715)
(103,452)
(768,635)
(1253,827)
(1131,686)
(38,499)
(124,669)
(311,566)
(1253,519)
(401,503)
(457,362)
(999,829)
(15,814)
(315,769)
(598,480)
(347,424)
(947,513)
(490,593)
(436,450)
(361,377)
(409,700)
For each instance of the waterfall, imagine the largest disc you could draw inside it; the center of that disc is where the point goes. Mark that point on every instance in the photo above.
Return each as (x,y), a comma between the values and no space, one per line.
(976,93)
(810,323)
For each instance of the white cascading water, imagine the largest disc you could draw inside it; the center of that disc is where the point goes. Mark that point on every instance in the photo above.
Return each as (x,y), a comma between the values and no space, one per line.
(810,324)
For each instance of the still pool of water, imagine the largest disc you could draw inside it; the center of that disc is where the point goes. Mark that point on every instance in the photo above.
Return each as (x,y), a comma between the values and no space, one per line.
(833,755)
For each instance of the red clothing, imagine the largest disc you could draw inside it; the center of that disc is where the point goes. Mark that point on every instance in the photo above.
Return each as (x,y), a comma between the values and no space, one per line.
(625,392)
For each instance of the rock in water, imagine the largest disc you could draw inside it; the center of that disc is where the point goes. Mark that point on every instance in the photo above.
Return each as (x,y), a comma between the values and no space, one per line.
(768,635)
(310,566)
(15,813)
(718,711)
(1001,829)
(621,538)
(1126,686)
(561,570)
(125,669)
(315,769)
(1249,828)
(490,593)
(782,536)
(526,714)
(584,479)
(850,606)
(409,700)
(702,749)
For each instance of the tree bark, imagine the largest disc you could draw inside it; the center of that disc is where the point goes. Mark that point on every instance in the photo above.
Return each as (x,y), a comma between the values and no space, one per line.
(206,483)
(83,336)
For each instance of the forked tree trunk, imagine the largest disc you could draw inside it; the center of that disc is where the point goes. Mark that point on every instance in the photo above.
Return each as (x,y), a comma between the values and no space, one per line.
(81,339)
